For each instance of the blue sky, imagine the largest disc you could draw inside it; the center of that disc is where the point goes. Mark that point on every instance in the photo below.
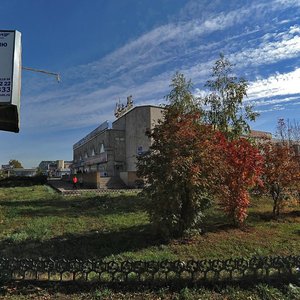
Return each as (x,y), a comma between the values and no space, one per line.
(106,50)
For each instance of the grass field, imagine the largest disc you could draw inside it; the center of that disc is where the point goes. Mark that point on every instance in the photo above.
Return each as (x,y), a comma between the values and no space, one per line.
(36,221)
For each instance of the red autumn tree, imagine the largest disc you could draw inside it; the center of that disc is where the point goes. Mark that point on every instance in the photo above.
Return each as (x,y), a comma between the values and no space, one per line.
(180,168)
(281,172)
(241,162)
(190,163)
(242,168)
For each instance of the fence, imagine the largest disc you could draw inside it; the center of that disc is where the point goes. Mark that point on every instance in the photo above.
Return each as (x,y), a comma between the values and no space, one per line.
(80,192)
(148,271)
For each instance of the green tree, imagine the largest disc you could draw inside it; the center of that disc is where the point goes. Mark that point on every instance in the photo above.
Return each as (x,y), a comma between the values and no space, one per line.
(225,109)
(15,163)
(181,98)
(2,174)
(179,168)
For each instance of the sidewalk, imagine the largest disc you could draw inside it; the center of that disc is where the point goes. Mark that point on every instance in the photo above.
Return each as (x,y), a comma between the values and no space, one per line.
(66,188)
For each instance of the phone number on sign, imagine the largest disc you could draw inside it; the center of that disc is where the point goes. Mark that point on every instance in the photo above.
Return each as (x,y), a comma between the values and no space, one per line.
(5,86)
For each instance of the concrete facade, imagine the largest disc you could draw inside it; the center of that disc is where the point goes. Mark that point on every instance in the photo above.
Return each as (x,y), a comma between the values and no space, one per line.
(103,153)
(112,151)
(135,124)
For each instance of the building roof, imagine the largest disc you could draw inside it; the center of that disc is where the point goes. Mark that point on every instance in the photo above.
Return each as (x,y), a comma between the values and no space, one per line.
(137,107)
(260,134)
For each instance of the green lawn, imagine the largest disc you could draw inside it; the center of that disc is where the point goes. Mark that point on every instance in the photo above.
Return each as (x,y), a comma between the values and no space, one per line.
(36,221)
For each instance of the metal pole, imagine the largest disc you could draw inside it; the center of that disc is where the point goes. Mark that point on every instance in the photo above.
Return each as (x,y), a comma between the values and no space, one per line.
(44,72)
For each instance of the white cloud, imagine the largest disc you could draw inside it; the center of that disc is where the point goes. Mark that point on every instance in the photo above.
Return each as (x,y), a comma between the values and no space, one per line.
(276,85)
(144,67)
(275,101)
(268,53)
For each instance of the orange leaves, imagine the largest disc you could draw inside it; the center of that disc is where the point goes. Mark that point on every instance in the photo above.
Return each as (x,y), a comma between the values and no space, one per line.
(190,164)
(243,167)
(207,159)
(281,171)
(281,165)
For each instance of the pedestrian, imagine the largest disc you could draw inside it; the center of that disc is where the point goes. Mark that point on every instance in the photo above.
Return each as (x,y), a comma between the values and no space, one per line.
(75,182)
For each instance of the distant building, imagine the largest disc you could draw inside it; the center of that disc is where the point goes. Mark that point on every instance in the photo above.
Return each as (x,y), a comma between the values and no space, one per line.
(113,151)
(9,170)
(23,172)
(6,167)
(63,168)
(260,135)
(55,168)
(44,166)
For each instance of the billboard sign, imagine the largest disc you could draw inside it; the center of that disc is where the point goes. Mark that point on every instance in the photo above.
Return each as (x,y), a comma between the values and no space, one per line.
(10,79)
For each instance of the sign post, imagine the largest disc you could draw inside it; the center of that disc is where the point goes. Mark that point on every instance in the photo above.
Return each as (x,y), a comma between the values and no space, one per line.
(10,79)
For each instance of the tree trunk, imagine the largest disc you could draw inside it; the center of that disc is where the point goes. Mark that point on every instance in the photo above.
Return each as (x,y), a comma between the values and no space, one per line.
(275,192)
(185,213)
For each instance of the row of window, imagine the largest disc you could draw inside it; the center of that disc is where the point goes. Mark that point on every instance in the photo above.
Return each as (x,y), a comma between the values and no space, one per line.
(89,153)
(92,151)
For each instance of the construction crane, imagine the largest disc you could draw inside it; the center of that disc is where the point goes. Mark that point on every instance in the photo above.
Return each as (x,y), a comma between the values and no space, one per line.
(44,72)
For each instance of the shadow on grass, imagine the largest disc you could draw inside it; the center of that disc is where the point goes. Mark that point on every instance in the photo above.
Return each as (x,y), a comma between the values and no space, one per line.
(155,289)
(72,207)
(88,245)
(23,181)
(216,221)
(268,216)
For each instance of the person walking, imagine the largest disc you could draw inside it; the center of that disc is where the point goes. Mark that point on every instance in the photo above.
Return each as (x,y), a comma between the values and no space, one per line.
(75,180)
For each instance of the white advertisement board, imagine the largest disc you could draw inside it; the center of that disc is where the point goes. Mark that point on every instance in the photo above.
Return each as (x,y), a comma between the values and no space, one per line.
(10,79)
(10,66)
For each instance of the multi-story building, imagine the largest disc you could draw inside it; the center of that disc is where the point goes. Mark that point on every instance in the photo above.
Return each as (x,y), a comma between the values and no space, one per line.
(113,151)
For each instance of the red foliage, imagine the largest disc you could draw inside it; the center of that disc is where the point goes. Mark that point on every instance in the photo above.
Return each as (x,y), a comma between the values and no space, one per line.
(189,164)
(281,171)
(190,151)
(228,167)
(243,165)
(281,164)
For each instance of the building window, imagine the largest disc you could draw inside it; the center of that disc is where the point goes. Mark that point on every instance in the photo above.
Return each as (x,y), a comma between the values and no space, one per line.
(102,150)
